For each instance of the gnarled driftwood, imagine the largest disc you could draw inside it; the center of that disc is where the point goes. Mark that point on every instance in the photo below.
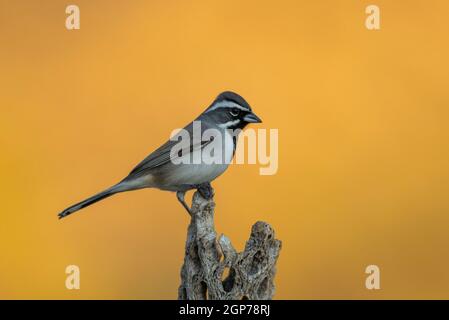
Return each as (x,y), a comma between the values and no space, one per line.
(250,273)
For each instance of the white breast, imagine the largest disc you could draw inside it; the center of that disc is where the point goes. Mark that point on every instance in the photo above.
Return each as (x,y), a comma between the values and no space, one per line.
(200,173)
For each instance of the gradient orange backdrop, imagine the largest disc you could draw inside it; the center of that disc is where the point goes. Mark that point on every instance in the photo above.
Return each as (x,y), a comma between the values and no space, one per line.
(363,141)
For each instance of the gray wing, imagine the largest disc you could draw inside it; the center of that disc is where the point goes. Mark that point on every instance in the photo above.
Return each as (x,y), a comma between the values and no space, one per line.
(162,155)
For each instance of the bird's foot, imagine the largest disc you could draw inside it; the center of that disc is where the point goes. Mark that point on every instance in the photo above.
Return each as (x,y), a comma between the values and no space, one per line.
(181,198)
(206,190)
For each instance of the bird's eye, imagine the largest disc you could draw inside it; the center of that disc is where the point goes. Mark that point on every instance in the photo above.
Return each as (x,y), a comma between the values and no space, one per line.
(235,112)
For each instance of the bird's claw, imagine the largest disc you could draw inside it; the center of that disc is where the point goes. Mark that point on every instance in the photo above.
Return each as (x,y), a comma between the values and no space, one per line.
(206,190)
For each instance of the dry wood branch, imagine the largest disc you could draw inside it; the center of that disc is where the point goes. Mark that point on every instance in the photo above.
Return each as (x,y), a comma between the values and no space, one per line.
(250,273)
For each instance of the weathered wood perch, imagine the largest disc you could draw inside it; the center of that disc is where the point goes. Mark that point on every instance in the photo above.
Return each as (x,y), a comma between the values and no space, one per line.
(251,272)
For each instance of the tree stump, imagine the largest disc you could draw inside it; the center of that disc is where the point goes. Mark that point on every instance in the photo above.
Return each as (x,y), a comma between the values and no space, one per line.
(250,273)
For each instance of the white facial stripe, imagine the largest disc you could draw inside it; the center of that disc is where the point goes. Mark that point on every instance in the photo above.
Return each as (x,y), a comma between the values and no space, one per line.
(226,104)
(229,124)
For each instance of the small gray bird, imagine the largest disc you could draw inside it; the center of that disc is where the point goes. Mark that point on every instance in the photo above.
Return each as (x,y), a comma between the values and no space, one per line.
(171,171)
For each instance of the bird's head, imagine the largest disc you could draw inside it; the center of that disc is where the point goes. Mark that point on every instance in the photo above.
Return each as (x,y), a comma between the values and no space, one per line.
(230,111)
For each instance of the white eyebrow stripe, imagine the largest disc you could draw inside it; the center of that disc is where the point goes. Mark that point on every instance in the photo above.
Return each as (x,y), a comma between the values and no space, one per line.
(226,104)
(229,123)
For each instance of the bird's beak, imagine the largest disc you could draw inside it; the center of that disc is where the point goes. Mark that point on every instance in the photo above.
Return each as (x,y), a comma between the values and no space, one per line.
(252,118)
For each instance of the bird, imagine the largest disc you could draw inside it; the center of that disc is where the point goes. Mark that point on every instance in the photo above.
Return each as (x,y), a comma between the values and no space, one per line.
(172,171)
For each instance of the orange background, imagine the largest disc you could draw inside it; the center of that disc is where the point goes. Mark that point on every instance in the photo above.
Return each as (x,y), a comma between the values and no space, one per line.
(363,142)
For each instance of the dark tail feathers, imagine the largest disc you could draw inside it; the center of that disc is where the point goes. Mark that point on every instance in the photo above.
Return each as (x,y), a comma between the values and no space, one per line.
(100,196)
